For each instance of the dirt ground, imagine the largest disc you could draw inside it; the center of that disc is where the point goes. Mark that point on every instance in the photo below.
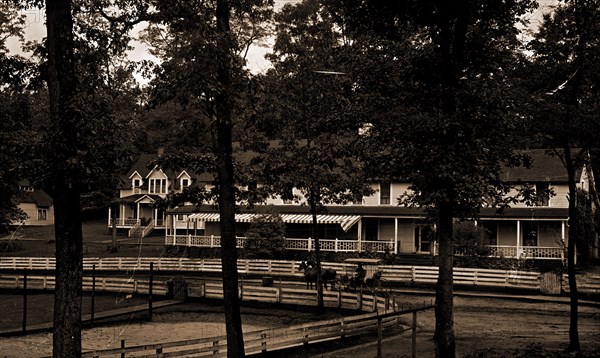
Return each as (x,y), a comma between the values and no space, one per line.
(484,328)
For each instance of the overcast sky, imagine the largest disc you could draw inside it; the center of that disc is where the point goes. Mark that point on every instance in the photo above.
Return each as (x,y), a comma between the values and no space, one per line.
(256,62)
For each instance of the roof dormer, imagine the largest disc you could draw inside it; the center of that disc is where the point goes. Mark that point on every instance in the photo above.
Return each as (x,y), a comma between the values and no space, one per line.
(185,180)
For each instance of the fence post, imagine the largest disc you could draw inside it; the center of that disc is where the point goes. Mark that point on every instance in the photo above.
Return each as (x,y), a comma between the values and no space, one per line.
(93,293)
(25,301)
(339,296)
(241,288)
(414,334)
(305,336)
(360,298)
(279,292)
(263,342)
(379,336)
(122,347)
(150,291)
(375,306)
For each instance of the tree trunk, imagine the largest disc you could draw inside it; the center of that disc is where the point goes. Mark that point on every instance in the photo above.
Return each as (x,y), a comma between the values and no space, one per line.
(62,86)
(315,235)
(445,344)
(115,244)
(235,339)
(573,223)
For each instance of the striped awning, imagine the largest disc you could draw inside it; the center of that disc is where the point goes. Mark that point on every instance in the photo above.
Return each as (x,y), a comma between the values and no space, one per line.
(346,221)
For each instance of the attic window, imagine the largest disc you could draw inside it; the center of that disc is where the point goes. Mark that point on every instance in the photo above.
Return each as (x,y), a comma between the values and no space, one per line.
(185,183)
(136,183)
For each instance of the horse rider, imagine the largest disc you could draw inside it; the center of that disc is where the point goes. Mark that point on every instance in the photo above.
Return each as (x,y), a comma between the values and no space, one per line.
(361,274)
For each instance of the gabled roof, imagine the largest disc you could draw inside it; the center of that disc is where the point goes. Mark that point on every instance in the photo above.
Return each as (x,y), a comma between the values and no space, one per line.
(545,167)
(137,197)
(38,197)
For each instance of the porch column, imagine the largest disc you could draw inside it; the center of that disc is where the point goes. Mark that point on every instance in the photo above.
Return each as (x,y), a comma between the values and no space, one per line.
(109,215)
(395,235)
(155,216)
(167,225)
(562,238)
(122,214)
(518,238)
(174,228)
(137,212)
(359,236)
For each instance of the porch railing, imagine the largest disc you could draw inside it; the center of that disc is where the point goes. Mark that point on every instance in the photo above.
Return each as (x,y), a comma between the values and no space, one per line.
(148,229)
(337,245)
(524,252)
(134,230)
(128,222)
(334,245)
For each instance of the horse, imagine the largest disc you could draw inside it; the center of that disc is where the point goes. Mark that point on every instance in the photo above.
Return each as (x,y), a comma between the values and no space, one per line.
(310,274)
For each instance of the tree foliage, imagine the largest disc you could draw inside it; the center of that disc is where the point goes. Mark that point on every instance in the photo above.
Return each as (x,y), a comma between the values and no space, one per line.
(447,115)
(201,46)
(563,75)
(15,118)
(265,239)
(304,137)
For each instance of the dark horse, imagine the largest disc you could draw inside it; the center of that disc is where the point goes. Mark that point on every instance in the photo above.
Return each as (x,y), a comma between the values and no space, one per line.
(310,274)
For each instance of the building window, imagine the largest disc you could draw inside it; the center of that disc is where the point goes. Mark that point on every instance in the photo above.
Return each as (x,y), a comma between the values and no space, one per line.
(185,183)
(542,192)
(385,191)
(157,186)
(136,183)
(42,214)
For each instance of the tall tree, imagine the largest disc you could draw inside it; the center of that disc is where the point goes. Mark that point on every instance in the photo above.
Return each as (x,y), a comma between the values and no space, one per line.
(312,143)
(202,69)
(563,81)
(447,118)
(62,85)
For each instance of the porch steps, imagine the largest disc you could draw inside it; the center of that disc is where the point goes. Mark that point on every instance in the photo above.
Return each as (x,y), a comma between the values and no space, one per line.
(413,260)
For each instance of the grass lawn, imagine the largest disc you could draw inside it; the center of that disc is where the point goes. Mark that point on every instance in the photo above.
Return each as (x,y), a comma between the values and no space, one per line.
(38,241)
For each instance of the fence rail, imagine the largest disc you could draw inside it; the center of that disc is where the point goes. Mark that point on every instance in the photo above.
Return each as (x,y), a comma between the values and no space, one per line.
(273,339)
(396,274)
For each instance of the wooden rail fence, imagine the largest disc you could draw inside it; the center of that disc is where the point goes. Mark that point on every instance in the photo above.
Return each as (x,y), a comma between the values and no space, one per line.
(397,274)
(274,339)
(285,292)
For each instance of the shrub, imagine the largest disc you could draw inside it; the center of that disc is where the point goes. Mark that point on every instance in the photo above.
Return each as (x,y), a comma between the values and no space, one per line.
(470,240)
(10,246)
(265,239)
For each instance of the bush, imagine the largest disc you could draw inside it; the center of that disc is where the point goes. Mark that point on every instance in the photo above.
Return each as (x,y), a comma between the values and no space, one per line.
(10,246)
(470,240)
(265,239)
